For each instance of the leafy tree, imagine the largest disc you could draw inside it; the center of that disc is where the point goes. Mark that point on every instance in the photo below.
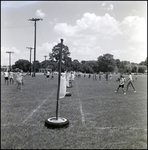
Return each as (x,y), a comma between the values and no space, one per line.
(142,69)
(37,65)
(55,52)
(75,65)
(88,69)
(106,63)
(134,69)
(118,63)
(124,66)
(43,64)
(68,64)
(22,64)
(143,62)
(50,64)
(89,66)
(66,60)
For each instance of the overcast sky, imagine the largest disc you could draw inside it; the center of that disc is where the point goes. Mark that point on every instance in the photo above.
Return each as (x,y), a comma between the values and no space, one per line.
(89,28)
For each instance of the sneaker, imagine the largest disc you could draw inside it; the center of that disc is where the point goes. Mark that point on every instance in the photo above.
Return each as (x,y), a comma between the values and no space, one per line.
(115,91)
(124,93)
(134,91)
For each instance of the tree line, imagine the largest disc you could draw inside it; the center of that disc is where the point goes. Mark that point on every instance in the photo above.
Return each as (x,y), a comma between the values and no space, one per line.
(105,63)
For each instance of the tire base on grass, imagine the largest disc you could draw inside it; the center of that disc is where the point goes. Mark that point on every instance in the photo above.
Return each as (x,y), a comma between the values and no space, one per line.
(68,94)
(59,123)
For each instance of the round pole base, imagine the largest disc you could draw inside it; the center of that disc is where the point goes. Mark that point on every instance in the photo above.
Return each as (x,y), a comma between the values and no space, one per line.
(53,123)
(68,94)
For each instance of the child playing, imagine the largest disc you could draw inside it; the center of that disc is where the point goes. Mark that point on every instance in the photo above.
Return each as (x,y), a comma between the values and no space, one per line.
(121,84)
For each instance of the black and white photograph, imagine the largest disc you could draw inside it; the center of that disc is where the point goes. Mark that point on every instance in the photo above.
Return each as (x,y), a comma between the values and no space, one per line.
(73,74)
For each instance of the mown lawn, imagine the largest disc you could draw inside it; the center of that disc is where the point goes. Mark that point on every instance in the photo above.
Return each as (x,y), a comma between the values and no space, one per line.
(99,118)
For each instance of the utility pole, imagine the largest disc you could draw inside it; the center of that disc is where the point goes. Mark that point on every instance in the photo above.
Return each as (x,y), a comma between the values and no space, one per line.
(59,78)
(34,19)
(30,57)
(9,59)
(45,57)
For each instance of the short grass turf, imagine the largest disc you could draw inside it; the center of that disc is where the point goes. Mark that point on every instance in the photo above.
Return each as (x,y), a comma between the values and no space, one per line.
(99,118)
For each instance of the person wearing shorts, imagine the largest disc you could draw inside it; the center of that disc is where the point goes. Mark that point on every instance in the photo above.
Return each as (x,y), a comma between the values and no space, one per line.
(11,77)
(72,78)
(121,83)
(6,75)
(52,75)
(130,82)
(100,77)
(47,75)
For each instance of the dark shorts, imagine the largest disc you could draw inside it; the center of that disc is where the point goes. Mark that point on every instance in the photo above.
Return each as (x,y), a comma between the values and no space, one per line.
(121,86)
(47,76)
(6,78)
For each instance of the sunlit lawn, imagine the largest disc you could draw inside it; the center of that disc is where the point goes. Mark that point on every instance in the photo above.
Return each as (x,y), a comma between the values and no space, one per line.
(99,118)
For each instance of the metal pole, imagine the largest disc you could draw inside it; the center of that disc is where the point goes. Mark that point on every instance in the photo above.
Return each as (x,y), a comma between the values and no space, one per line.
(34,48)
(10,60)
(34,19)
(30,57)
(59,78)
(45,61)
(30,61)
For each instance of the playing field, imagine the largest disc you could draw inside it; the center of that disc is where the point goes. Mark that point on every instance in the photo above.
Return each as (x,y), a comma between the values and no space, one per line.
(99,118)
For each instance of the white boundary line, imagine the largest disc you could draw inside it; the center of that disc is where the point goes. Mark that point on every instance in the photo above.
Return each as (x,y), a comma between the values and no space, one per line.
(81,110)
(37,108)
(121,128)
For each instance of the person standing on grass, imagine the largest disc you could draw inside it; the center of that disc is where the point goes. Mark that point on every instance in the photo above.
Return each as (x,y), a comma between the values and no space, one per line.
(130,82)
(72,78)
(11,77)
(52,76)
(110,77)
(100,77)
(121,83)
(89,75)
(6,75)
(95,76)
(107,76)
(47,75)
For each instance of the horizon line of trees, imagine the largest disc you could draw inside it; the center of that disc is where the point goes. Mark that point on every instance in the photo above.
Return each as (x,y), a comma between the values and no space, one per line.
(105,63)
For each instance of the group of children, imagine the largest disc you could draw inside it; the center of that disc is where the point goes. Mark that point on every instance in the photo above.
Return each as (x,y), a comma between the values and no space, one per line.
(8,76)
(122,81)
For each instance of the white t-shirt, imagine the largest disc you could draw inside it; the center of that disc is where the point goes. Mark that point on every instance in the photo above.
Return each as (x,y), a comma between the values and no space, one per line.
(48,73)
(122,81)
(6,74)
(130,77)
(72,76)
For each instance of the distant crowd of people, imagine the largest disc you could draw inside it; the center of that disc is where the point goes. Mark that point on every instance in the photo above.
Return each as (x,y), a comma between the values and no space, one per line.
(70,76)
(108,77)
(11,78)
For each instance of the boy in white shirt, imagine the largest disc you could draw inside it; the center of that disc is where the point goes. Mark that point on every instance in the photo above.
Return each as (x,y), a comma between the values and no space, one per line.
(6,75)
(130,81)
(121,84)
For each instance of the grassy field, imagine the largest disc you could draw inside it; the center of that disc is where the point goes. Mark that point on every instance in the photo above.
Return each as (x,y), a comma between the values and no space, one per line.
(99,118)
